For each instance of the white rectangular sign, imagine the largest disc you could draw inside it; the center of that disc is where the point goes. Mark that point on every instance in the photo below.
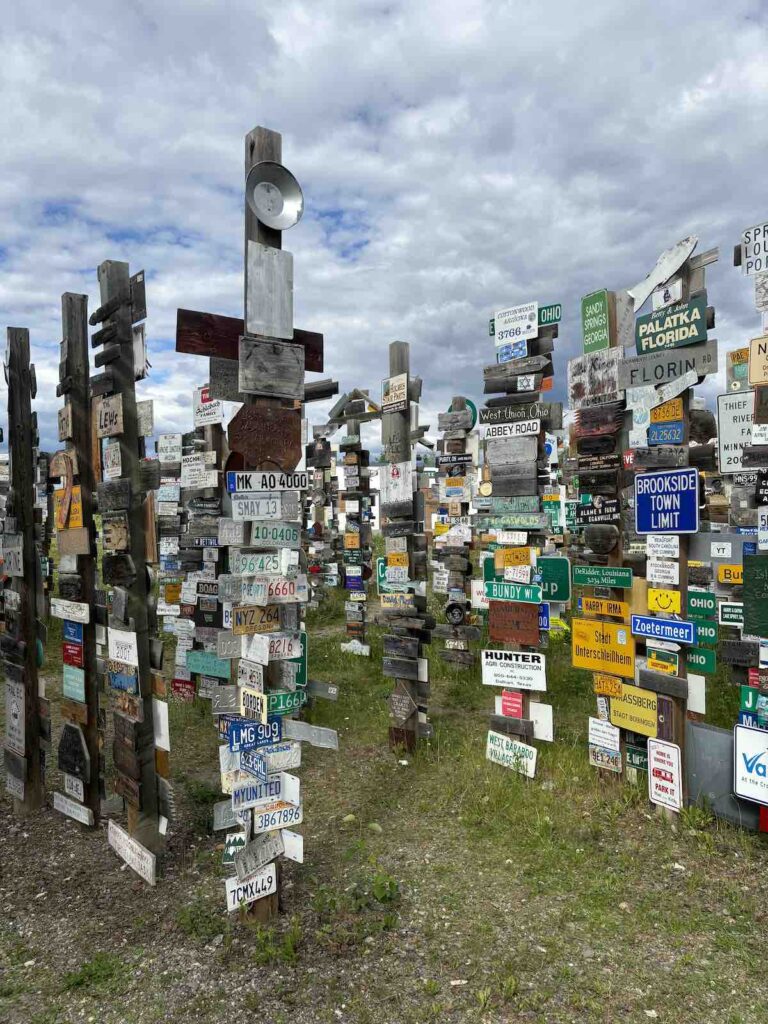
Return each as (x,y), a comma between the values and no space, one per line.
(123,646)
(662,545)
(659,571)
(734,428)
(252,889)
(511,753)
(251,508)
(396,482)
(520,670)
(136,856)
(73,809)
(73,610)
(520,428)
(665,778)
(516,322)
(603,734)
(754,249)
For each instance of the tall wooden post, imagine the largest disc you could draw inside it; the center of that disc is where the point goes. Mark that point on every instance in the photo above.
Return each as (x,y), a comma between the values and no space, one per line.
(403,612)
(77,568)
(128,569)
(19,642)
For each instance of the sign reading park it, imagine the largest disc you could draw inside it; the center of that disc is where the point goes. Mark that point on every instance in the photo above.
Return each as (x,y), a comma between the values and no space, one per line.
(667,501)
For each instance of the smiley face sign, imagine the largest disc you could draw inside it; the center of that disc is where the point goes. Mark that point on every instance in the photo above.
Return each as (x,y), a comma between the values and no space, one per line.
(667,601)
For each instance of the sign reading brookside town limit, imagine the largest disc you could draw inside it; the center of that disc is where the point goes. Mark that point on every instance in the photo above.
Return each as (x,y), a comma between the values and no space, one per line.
(667,501)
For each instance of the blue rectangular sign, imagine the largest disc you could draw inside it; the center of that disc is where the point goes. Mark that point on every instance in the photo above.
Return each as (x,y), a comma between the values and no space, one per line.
(667,501)
(514,350)
(255,764)
(676,630)
(544,615)
(73,632)
(666,433)
(247,734)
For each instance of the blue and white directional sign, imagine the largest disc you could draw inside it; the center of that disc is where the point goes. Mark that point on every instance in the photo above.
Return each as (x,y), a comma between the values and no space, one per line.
(667,501)
(544,615)
(73,632)
(676,630)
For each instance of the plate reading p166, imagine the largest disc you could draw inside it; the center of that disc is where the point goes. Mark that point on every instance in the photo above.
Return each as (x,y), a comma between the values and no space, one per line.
(259,480)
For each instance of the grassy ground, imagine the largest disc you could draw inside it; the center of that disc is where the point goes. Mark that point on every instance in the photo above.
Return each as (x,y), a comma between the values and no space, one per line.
(437,887)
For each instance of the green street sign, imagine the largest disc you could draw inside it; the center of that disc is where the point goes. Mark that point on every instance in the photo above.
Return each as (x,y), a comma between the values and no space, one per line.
(706,632)
(753,700)
(672,326)
(492,326)
(701,604)
(595,321)
(637,757)
(601,576)
(283,702)
(523,593)
(699,659)
(555,578)
(550,314)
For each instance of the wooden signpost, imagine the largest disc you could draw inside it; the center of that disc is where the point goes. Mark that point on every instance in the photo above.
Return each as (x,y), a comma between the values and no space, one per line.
(72,468)
(520,502)
(248,594)
(452,530)
(402,514)
(141,762)
(25,742)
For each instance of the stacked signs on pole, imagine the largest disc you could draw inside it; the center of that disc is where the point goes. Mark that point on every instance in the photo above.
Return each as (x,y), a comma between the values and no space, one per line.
(520,517)
(248,654)
(354,545)
(323,523)
(131,660)
(452,530)
(741,578)
(402,587)
(71,471)
(636,503)
(27,718)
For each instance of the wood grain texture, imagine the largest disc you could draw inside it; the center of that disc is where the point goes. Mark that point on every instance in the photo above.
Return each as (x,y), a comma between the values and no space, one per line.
(271,368)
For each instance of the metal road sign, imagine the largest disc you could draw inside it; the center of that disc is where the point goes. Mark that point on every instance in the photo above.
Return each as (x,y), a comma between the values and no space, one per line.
(677,631)
(667,501)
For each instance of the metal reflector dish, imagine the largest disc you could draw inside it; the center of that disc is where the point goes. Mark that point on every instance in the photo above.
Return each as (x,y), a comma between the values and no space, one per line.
(274,195)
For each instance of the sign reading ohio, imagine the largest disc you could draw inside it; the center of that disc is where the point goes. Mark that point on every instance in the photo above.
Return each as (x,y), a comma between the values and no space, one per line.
(672,326)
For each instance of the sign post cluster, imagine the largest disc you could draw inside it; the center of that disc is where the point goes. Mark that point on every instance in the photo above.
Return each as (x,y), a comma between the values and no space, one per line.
(526,578)
(249,649)
(457,460)
(323,524)
(403,590)
(638,489)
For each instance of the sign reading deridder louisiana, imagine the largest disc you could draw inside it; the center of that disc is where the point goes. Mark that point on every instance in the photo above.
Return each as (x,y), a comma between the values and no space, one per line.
(603,647)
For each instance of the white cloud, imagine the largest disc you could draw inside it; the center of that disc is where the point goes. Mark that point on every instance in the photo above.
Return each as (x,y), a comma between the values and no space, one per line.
(454,157)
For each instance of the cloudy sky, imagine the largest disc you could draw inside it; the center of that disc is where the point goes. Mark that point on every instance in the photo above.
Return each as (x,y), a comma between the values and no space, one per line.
(455,158)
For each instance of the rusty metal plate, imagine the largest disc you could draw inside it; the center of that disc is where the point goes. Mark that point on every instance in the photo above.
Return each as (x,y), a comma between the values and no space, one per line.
(267,435)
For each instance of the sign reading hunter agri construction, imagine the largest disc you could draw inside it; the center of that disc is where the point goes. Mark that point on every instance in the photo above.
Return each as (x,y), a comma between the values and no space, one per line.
(667,501)
(519,670)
